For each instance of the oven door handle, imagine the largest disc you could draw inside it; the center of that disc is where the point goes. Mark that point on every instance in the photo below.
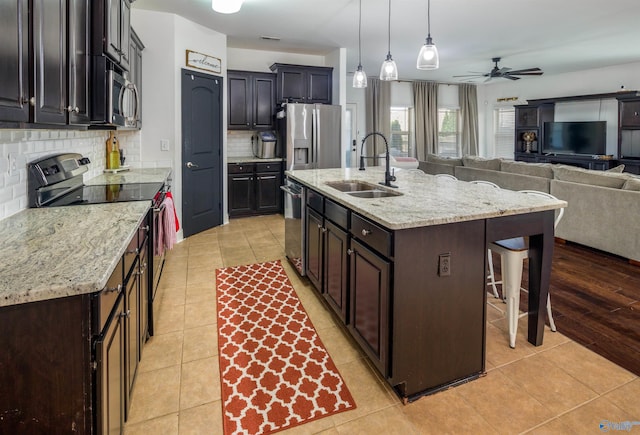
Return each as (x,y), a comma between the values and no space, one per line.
(294,194)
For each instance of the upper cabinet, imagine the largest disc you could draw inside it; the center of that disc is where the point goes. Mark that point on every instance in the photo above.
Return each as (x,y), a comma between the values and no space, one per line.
(111,30)
(40,82)
(14,58)
(251,102)
(303,84)
(135,77)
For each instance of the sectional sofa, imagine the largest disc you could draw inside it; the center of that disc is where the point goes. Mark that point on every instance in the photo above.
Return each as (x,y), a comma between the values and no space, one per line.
(603,206)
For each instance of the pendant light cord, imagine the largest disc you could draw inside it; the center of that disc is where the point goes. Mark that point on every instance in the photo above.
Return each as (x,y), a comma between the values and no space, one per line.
(429,18)
(389,32)
(359,33)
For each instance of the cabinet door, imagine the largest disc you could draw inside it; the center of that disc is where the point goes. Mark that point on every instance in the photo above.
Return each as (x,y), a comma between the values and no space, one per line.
(336,269)
(292,85)
(14,58)
(239,101)
(50,61)
(526,117)
(240,194)
(369,301)
(315,232)
(143,282)
(319,86)
(630,114)
(110,375)
(125,33)
(268,192)
(79,40)
(132,334)
(264,101)
(113,29)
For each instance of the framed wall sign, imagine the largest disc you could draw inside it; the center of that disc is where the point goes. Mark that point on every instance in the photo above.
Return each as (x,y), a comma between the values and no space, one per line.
(204,62)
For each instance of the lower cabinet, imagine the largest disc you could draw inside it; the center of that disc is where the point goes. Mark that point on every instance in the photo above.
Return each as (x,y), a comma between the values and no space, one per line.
(314,247)
(336,264)
(254,188)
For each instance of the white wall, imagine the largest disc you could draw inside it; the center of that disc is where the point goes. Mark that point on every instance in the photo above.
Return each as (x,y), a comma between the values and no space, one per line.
(595,81)
(260,61)
(166,38)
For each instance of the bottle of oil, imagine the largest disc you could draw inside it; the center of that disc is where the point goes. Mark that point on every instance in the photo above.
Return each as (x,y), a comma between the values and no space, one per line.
(113,151)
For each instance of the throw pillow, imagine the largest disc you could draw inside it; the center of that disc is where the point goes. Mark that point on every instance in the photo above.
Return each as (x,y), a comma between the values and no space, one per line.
(543,170)
(480,163)
(618,169)
(432,158)
(632,184)
(586,176)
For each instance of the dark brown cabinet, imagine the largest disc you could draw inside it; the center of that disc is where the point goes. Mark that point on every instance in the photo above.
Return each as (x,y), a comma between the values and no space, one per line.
(254,188)
(79,32)
(251,101)
(336,264)
(531,119)
(314,252)
(135,76)
(116,31)
(629,133)
(303,84)
(14,58)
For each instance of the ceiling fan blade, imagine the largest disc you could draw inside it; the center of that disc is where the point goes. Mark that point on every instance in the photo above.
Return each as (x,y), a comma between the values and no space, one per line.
(471,75)
(510,77)
(527,70)
(503,70)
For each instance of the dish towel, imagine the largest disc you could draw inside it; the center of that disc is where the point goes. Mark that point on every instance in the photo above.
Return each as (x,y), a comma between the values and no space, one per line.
(169,222)
(175,215)
(158,234)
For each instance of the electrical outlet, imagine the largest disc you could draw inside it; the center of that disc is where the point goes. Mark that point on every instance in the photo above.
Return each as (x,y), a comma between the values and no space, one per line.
(13,164)
(444,264)
(164,144)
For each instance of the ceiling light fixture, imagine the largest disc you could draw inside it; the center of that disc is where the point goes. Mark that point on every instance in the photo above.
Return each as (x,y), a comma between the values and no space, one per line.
(226,6)
(389,69)
(359,77)
(428,56)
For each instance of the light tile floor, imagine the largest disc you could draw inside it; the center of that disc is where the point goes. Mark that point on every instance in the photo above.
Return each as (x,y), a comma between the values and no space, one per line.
(560,387)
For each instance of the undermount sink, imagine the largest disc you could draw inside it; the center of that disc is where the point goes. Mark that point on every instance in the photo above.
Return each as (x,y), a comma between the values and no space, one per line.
(374,193)
(361,189)
(351,185)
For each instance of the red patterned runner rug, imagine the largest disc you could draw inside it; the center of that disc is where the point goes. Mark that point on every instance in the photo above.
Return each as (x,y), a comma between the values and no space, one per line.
(275,372)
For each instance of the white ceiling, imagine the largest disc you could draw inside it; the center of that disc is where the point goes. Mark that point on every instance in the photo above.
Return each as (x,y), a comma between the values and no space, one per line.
(556,35)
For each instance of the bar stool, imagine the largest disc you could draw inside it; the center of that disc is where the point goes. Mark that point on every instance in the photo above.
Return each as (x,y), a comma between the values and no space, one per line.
(512,254)
(446,177)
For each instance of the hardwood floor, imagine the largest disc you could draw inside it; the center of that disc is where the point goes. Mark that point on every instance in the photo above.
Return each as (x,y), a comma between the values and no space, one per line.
(595,298)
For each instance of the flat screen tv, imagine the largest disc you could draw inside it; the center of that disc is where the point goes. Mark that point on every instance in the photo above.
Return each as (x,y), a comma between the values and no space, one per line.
(575,138)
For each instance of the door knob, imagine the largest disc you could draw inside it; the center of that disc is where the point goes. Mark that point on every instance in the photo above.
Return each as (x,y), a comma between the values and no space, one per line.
(191,165)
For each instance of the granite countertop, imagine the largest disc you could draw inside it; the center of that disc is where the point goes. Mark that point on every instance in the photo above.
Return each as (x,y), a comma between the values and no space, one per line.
(150,175)
(252,159)
(54,252)
(426,200)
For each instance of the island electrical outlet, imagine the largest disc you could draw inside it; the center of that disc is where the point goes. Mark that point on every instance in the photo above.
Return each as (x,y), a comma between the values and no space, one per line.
(444,264)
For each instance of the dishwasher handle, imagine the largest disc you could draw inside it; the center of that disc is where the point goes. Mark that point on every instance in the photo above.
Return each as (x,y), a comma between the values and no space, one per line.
(290,191)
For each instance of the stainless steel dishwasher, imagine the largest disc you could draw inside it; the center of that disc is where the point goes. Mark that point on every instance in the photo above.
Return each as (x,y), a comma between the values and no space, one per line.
(294,224)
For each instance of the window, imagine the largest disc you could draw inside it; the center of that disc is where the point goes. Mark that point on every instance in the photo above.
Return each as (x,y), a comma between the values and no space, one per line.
(448,132)
(402,139)
(503,132)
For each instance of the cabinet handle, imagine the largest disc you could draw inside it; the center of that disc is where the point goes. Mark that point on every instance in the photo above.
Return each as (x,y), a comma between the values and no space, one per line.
(113,289)
(366,232)
(247,123)
(319,226)
(146,228)
(32,101)
(350,251)
(126,314)
(134,251)
(272,177)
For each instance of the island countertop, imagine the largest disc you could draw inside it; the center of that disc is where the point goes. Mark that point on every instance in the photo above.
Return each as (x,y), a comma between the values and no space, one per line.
(142,175)
(54,252)
(426,200)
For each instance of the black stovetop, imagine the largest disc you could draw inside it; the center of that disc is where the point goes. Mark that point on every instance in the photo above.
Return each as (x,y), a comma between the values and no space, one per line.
(105,193)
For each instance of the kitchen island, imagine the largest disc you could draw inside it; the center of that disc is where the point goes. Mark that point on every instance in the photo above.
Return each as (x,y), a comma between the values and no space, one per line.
(406,273)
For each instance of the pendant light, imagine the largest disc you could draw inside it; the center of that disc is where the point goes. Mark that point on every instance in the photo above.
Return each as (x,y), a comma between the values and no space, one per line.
(359,77)
(428,56)
(226,6)
(389,69)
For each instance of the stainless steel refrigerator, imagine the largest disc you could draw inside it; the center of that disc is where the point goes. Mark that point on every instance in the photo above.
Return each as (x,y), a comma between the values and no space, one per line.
(311,134)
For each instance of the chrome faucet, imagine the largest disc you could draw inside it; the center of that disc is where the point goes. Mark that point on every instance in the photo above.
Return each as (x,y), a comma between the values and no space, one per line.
(388,176)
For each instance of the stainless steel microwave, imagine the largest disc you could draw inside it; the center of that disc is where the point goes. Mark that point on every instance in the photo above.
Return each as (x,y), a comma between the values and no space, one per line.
(115,99)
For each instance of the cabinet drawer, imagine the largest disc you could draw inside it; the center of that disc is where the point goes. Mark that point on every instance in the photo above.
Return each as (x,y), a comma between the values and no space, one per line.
(241,168)
(315,201)
(372,234)
(105,299)
(268,167)
(336,213)
(630,114)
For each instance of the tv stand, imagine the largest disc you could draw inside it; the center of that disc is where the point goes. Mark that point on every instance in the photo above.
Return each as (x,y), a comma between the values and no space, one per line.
(587,161)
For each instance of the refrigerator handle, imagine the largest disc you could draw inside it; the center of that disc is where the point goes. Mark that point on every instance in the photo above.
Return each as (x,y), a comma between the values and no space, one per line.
(315,128)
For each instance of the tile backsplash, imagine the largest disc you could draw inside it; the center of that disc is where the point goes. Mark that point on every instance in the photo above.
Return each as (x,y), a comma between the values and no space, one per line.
(239,143)
(24,146)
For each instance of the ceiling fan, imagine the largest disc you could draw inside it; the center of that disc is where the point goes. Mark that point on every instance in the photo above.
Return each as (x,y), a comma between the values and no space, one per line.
(504,72)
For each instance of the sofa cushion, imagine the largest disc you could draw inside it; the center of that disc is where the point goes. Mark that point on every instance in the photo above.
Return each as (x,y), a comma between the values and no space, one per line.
(632,184)
(480,163)
(618,169)
(432,158)
(585,176)
(543,170)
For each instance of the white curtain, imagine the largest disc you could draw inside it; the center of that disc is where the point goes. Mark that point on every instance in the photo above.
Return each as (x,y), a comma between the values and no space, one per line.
(425,103)
(378,115)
